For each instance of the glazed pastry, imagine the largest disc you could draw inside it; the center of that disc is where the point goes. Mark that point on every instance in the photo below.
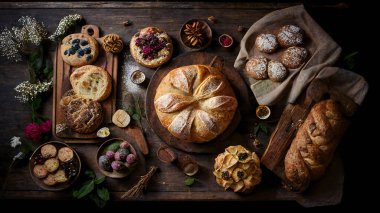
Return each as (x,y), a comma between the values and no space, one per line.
(195,103)
(266,43)
(277,71)
(256,67)
(50,180)
(313,147)
(81,115)
(48,151)
(151,47)
(65,154)
(79,49)
(238,169)
(290,35)
(113,43)
(293,57)
(91,82)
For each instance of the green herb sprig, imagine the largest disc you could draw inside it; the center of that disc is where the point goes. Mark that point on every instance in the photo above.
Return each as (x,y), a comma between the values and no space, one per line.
(260,127)
(93,189)
(135,111)
(189,181)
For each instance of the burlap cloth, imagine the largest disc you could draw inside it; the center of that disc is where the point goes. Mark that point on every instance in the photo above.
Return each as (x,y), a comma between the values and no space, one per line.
(323,53)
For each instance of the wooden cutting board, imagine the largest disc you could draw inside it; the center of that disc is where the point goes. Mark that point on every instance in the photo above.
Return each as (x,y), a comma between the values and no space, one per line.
(292,118)
(235,80)
(62,72)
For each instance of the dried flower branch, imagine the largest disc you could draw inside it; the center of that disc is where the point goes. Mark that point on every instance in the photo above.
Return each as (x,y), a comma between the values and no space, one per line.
(137,190)
(66,23)
(27,91)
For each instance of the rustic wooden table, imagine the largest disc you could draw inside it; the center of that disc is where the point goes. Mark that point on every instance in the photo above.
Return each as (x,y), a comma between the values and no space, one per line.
(168,183)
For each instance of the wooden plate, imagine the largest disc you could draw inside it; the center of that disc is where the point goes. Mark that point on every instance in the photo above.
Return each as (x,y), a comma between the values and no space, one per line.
(115,174)
(62,73)
(59,186)
(219,143)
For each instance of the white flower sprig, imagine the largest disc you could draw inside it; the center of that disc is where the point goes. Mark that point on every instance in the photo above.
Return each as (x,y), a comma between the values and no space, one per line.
(18,41)
(27,91)
(65,23)
(15,141)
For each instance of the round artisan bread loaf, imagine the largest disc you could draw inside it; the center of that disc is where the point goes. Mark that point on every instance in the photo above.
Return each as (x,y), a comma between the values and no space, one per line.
(195,103)
(91,82)
(82,115)
(151,47)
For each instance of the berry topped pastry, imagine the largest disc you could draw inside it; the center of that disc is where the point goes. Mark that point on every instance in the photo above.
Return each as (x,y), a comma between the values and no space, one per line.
(79,49)
(151,47)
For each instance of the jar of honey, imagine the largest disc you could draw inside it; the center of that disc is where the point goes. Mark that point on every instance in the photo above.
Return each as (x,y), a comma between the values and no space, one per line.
(263,112)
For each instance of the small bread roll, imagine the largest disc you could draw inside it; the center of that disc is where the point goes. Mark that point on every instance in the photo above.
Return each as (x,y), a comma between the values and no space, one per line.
(121,118)
(256,67)
(48,151)
(277,71)
(290,35)
(65,154)
(51,165)
(293,57)
(40,171)
(266,43)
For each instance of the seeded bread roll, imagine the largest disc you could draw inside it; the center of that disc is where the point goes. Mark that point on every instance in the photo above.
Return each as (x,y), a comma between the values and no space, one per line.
(266,43)
(151,47)
(256,67)
(293,57)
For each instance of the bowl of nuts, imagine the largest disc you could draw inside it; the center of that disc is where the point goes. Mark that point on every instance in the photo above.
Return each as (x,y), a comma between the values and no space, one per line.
(196,34)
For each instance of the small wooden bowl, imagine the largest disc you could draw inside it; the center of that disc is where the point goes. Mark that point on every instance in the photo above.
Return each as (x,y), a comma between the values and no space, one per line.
(59,186)
(116,174)
(206,30)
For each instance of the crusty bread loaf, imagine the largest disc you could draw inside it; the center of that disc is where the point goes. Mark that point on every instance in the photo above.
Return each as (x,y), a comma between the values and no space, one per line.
(195,103)
(91,82)
(313,147)
(81,115)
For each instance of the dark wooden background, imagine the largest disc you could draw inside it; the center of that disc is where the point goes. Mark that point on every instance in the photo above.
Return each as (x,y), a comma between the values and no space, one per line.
(340,20)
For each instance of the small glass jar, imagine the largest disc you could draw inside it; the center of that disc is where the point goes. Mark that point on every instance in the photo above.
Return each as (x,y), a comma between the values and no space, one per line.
(138,77)
(226,40)
(263,112)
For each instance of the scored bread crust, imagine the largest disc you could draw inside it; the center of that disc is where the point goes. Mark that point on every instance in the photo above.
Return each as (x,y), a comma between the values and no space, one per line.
(91,82)
(195,103)
(163,55)
(82,115)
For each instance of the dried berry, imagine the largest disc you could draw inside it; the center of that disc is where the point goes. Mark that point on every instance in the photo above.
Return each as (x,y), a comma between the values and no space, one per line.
(242,156)
(225,175)
(83,43)
(150,45)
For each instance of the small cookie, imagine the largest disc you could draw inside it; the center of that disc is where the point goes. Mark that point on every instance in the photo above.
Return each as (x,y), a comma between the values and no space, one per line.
(256,67)
(290,35)
(40,171)
(60,176)
(48,151)
(277,71)
(51,165)
(293,57)
(79,49)
(266,43)
(50,180)
(112,43)
(65,154)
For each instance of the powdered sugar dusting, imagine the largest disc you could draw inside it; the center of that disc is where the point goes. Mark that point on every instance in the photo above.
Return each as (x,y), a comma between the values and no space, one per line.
(266,43)
(290,35)
(257,67)
(276,71)
(293,57)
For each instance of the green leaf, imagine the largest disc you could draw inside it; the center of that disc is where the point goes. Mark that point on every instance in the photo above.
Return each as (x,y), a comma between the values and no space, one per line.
(130,110)
(136,117)
(263,128)
(256,130)
(189,181)
(113,146)
(75,193)
(350,60)
(89,173)
(86,189)
(99,202)
(99,180)
(103,193)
